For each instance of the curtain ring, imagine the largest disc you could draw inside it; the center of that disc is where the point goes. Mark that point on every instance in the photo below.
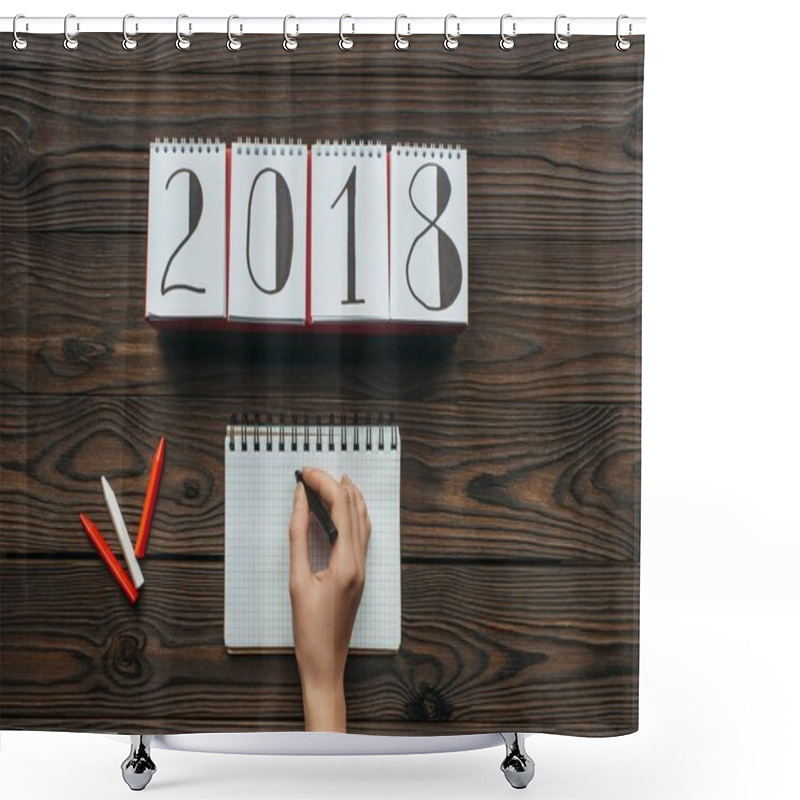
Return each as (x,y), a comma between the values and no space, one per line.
(182,43)
(401,42)
(289,42)
(19,43)
(507,41)
(561,43)
(345,42)
(234,44)
(450,40)
(623,44)
(128,42)
(70,42)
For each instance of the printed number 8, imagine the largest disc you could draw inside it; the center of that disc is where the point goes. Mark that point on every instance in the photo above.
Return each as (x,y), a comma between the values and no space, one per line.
(450,273)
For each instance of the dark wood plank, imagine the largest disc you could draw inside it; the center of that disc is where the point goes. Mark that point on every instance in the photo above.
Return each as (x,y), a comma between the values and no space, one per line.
(76,147)
(529,647)
(548,322)
(528,481)
(477,59)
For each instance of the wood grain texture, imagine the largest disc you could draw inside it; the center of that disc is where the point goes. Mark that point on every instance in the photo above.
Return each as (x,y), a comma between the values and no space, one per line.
(537,165)
(477,59)
(521,435)
(535,481)
(482,647)
(552,321)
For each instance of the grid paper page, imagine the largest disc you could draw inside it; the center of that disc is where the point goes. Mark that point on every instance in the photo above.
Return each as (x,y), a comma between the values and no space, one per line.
(259,494)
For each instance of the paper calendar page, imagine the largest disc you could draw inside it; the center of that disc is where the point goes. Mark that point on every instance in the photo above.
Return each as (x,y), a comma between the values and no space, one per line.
(186,231)
(349,232)
(259,494)
(429,276)
(269,190)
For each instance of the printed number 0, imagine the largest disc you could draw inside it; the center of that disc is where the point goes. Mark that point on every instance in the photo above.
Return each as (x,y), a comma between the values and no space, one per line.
(284,232)
(450,274)
(195,212)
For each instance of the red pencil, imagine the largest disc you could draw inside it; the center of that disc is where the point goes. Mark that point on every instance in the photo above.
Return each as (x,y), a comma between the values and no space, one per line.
(113,565)
(156,468)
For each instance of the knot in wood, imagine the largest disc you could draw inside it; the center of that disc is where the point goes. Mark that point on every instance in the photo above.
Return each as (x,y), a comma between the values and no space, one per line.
(125,659)
(428,705)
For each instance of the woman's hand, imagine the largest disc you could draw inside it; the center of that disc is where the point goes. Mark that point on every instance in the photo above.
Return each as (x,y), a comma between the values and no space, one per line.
(324,604)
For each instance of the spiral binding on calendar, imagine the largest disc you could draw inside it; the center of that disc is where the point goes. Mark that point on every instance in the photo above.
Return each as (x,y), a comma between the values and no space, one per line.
(183,145)
(312,434)
(349,148)
(272,147)
(432,151)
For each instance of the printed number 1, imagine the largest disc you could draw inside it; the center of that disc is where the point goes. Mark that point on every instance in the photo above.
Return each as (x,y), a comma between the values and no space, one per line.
(350,190)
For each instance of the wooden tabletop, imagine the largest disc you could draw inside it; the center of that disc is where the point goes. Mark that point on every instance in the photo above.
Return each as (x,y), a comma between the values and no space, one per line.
(521,434)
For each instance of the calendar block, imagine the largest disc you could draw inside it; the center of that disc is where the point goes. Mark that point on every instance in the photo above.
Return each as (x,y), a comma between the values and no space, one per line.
(186,231)
(429,268)
(267,269)
(349,233)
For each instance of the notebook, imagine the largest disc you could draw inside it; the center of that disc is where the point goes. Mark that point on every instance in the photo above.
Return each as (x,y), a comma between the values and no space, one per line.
(260,461)
(267,268)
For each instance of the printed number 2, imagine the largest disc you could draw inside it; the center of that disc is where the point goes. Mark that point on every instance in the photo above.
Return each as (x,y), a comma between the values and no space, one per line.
(195,212)
(450,276)
(350,190)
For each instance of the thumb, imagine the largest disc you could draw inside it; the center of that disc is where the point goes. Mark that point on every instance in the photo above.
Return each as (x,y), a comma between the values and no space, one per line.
(299,564)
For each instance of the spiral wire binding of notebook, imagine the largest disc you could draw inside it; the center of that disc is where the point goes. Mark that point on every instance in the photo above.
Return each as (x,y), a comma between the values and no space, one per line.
(260,464)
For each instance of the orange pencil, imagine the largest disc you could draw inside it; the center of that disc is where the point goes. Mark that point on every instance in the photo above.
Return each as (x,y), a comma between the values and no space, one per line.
(156,468)
(96,538)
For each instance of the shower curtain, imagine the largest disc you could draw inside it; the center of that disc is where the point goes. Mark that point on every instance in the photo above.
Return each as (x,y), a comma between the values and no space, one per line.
(517,420)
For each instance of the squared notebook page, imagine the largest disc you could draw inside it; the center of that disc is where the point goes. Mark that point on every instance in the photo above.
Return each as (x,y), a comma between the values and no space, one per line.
(269,190)
(187,231)
(349,232)
(429,275)
(259,494)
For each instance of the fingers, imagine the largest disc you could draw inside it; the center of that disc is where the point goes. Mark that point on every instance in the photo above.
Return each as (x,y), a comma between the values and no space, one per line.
(299,564)
(349,513)
(355,538)
(361,521)
(327,487)
(336,497)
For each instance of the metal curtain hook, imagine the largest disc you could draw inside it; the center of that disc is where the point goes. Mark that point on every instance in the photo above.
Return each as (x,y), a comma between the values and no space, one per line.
(70,42)
(182,43)
(450,40)
(507,41)
(345,42)
(622,43)
(561,43)
(401,42)
(128,42)
(19,43)
(289,42)
(233,43)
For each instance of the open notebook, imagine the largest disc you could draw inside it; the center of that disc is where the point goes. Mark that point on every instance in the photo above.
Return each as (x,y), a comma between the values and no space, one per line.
(260,461)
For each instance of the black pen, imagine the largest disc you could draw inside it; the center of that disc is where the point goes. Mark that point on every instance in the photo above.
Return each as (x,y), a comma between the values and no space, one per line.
(318,507)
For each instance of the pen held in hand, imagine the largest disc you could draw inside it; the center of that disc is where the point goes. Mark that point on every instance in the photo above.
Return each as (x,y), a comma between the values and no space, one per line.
(318,507)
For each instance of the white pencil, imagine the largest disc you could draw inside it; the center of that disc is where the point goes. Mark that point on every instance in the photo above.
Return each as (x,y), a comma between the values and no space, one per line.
(122,533)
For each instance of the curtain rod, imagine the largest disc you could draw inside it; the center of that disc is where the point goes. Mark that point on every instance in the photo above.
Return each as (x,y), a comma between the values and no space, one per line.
(402,26)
